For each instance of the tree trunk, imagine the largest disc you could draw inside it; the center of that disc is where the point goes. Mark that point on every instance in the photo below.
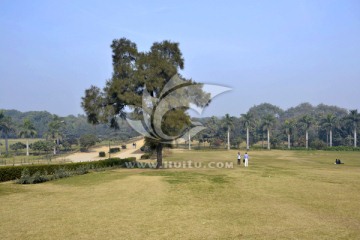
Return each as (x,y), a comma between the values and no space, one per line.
(159,149)
(247,138)
(55,149)
(355,137)
(6,144)
(228,138)
(288,141)
(268,139)
(307,139)
(189,141)
(330,133)
(327,139)
(27,147)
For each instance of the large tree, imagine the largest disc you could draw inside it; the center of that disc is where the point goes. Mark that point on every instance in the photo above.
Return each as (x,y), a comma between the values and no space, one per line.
(268,122)
(27,131)
(143,82)
(354,118)
(248,121)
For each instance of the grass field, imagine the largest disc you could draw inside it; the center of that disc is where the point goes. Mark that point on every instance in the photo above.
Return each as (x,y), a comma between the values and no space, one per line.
(282,195)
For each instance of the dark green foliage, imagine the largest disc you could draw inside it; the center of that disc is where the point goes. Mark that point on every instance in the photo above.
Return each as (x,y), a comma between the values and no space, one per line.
(14,172)
(61,173)
(114,150)
(146,156)
(73,128)
(42,146)
(17,146)
(37,177)
(318,144)
(102,154)
(342,148)
(86,141)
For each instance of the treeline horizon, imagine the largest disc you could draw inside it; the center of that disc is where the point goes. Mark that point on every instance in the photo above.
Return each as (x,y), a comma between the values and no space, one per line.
(281,126)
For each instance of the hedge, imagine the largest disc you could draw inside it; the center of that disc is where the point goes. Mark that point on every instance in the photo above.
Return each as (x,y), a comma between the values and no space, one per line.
(8,173)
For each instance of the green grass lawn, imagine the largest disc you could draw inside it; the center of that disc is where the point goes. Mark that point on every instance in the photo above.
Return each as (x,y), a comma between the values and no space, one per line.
(282,195)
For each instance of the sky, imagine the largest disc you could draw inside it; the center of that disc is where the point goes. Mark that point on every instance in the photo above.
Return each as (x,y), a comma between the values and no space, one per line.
(280,52)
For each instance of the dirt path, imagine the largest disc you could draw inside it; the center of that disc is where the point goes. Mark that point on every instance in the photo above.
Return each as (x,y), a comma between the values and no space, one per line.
(93,154)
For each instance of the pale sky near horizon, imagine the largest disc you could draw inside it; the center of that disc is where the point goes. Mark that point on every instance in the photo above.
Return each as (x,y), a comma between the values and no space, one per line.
(281,52)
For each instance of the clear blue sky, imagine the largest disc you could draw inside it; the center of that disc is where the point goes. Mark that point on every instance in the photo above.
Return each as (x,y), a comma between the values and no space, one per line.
(281,52)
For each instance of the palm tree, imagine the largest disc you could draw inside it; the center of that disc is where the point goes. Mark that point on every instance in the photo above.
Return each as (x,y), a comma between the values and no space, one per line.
(289,126)
(248,121)
(267,122)
(54,131)
(329,122)
(6,127)
(354,119)
(28,130)
(307,122)
(228,123)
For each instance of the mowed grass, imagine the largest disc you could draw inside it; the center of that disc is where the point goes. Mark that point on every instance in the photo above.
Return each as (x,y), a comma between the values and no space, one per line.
(282,195)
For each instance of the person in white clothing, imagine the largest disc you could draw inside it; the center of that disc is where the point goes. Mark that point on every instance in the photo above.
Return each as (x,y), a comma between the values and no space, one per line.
(239,158)
(246,157)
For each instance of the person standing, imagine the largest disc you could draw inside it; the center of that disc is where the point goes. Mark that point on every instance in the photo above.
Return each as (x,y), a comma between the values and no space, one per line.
(239,158)
(246,157)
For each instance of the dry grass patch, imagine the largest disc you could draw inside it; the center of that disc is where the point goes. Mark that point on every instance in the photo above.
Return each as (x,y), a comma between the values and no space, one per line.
(282,195)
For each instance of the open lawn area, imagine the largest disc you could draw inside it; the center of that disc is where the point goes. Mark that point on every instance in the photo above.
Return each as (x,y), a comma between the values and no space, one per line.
(282,195)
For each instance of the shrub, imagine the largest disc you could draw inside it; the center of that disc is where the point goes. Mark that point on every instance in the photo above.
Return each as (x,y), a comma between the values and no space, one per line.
(61,173)
(102,154)
(8,173)
(318,144)
(342,148)
(114,150)
(123,146)
(37,177)
(145,156)
(25,177)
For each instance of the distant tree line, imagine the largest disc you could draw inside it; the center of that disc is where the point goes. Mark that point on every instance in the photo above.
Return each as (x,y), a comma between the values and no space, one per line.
(303,126)
(57,132)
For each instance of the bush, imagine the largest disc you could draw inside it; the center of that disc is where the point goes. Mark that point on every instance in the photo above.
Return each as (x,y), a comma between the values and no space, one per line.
(61,173)
(114,150)
(318,144)
(123,146)
(145,156)
(37,177)
(102,154)
(8,173)
(342,148)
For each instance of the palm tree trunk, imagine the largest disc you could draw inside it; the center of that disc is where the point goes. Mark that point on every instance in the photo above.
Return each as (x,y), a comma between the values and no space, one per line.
(27,147)
(6,144)
(327,139)
(354,137)
(307,139)
(189,141)
(330,133)
(288,141)
(268,139)
(228,138)
(247,138)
